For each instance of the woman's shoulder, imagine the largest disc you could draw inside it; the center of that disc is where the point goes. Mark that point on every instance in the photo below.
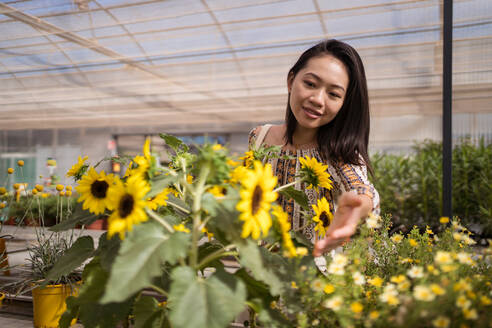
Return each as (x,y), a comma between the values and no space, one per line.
(272,134)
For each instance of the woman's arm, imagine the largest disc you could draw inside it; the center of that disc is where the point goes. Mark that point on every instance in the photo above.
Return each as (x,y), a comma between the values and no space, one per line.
(351,209)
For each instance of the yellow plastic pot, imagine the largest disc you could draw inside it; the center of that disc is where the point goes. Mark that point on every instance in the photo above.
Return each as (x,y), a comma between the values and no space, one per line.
(2,296)
(49,304)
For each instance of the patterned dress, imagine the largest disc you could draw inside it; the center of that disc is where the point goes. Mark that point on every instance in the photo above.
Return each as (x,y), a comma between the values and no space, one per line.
(345,177)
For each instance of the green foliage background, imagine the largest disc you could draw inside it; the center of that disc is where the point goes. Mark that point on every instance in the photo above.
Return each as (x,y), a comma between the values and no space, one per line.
(410,186)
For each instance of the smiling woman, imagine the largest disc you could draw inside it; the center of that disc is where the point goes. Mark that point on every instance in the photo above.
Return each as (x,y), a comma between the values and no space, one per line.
(327,120)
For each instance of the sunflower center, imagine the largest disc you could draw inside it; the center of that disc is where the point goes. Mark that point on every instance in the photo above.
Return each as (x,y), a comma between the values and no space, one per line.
(324,218)
(257,197)
(99,188)
(126,206)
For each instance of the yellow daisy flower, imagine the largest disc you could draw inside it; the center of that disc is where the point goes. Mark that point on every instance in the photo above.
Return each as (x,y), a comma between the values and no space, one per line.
(129,206)
(376,281)
(329,288)
(356,307)
(94,189)
(181,227)
(315,173)
(256,197)
(323,216)
(78,169)
(283,220)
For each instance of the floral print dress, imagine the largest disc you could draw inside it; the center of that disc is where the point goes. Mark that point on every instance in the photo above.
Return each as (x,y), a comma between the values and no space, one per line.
(345,177)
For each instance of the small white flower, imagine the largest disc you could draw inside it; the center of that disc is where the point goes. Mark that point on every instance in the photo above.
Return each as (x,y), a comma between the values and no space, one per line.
(464,258)
(373,221)
(441,322)
(415,272)
(358,278)
(340,259)
(334,303)
(336,269)
(423,293)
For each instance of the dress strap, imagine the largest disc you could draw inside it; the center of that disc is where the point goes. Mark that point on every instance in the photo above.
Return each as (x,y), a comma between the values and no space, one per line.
(261,136)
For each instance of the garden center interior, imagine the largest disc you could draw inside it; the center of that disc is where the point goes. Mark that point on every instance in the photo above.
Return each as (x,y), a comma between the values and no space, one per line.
(96,77)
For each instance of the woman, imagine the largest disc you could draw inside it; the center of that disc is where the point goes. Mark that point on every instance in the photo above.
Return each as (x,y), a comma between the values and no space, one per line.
(327,118)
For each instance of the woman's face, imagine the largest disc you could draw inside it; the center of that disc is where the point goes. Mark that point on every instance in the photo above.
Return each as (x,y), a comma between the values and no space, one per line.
(317,91)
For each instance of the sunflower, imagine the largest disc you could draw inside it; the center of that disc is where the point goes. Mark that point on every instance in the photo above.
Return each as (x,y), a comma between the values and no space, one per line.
(323,216)
(94,189)
(138,166)
(248,158)
(283,220)
(158,200)
(256,197)
(315,173)
(129,206)
(78,169)
(238,174)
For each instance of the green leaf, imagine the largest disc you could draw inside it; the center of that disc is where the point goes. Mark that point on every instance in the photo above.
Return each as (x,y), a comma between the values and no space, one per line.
(207,303)
(160,183)
(297,195)
(147,313)
(90,312)
(107,250)
(174,142)
(75,256)
(252,259)
(209,204)
(300,238)
(140,259)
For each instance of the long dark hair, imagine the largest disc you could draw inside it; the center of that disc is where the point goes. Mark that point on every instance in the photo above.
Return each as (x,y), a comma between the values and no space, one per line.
(346,137)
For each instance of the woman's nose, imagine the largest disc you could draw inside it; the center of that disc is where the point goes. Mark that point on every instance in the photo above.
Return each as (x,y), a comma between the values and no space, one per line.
(317,99)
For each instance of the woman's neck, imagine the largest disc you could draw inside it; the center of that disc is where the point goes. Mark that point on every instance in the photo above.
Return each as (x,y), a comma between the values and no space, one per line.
(303,136)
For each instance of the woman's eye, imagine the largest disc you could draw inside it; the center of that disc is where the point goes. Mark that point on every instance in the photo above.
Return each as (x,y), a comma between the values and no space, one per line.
(336,95)
(309,84)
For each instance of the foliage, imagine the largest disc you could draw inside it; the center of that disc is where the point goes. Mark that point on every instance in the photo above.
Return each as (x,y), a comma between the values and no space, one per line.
(410,186)
(199,212)
(419,280)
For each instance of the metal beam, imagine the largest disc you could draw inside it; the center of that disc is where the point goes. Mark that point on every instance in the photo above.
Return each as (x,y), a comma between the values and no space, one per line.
(447,114)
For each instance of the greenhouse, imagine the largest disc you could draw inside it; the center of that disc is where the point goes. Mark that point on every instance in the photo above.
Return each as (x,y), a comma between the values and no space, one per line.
(174,163)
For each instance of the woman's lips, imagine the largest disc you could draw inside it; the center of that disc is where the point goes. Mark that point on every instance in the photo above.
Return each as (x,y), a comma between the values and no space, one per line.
(311,113)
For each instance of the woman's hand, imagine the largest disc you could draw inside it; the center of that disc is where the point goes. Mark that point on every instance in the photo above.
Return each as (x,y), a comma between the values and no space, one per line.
(351,208)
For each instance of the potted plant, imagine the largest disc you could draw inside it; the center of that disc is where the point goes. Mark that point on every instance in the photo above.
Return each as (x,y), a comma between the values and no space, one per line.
(49,294)
(42,208)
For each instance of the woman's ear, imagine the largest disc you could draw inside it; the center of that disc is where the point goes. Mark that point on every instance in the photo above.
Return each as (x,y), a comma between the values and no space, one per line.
(290,80)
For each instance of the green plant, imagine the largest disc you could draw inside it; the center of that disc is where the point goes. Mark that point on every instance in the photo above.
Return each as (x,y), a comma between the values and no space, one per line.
(410,185)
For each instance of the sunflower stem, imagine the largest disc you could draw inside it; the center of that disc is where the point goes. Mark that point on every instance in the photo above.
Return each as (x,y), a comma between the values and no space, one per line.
(288,185)
(208,259)
(197,202)
(156,217)
(159,290)
(182,209)
(217,254)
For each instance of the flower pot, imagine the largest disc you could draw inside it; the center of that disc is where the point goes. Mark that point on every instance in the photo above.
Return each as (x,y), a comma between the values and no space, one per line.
(49,304)
(96,225)
(4,260)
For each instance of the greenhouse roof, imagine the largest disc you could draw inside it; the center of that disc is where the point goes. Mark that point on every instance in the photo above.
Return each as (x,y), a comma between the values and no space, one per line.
(198,64)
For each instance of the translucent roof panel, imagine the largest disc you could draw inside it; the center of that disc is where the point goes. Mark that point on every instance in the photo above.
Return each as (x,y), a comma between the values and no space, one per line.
(224,63)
